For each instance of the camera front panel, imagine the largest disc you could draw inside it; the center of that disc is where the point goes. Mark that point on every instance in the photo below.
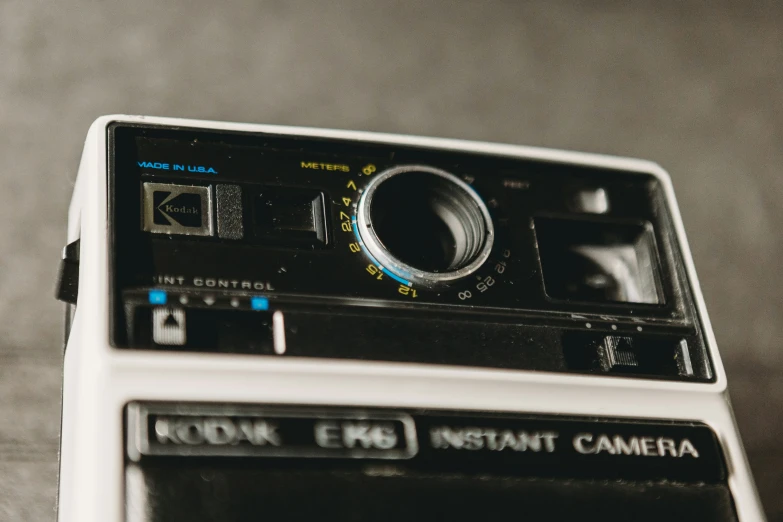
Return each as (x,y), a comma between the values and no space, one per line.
(287,246)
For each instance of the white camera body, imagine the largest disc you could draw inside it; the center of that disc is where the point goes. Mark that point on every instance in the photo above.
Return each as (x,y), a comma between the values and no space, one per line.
(110,393)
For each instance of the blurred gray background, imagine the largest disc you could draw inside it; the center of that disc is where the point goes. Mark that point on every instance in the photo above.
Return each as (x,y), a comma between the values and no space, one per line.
(695,87)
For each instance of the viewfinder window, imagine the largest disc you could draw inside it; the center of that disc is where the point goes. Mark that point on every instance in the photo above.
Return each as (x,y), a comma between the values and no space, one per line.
(599,261)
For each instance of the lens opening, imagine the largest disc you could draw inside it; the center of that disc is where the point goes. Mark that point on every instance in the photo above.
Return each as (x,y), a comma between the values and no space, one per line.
(425,224)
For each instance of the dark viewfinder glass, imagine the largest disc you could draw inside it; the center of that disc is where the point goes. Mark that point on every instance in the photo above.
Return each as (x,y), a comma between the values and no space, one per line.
(598,261)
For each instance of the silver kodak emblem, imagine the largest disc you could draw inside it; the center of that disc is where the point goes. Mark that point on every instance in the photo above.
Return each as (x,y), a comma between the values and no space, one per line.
(177,209)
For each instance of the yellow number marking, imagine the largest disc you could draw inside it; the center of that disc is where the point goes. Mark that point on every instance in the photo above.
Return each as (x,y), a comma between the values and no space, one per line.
(374,270)
(406,290)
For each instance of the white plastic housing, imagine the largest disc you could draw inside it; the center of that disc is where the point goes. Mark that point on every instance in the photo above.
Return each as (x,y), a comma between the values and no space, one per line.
(100,380)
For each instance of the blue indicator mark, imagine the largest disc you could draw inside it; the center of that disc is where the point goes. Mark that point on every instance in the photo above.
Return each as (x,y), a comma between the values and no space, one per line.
(259,303)
(157,297)
(376,263)
(396,277)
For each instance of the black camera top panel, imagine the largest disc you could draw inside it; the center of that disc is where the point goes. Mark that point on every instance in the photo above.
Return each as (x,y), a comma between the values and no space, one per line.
(227,223)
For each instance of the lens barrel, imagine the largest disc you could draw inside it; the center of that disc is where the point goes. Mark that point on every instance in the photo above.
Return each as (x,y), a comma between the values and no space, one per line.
(425,224)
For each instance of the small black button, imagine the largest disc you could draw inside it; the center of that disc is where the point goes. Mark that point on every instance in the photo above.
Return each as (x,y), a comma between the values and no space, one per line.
(618,354)
(68,275)
(291,216)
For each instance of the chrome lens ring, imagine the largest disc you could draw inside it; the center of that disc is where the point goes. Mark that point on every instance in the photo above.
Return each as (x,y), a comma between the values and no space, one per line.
(460,208)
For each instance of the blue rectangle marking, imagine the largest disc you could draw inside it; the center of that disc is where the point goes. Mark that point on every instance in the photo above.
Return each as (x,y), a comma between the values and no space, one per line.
(158,297)
(259,303)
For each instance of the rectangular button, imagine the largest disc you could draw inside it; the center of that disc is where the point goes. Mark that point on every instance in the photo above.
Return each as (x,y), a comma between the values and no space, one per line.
(177,209)
(168,326)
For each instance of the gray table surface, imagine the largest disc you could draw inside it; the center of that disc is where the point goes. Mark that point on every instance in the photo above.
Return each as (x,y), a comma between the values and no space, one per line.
(695,87)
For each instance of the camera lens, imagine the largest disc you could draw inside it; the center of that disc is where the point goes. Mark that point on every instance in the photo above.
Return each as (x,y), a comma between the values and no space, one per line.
(426,223)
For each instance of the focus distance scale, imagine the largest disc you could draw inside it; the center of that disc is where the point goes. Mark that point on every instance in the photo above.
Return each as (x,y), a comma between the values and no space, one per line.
(303,324)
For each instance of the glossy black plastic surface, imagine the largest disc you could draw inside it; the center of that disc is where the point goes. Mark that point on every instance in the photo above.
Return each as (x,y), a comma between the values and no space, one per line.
(298,249)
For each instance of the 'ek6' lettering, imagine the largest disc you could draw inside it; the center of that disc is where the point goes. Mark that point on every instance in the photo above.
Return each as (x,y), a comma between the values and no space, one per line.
(360,434)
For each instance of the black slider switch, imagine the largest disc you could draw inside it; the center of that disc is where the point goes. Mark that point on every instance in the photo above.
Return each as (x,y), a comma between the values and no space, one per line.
(649,355)
(617,354)
(291,216)
(68,276)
